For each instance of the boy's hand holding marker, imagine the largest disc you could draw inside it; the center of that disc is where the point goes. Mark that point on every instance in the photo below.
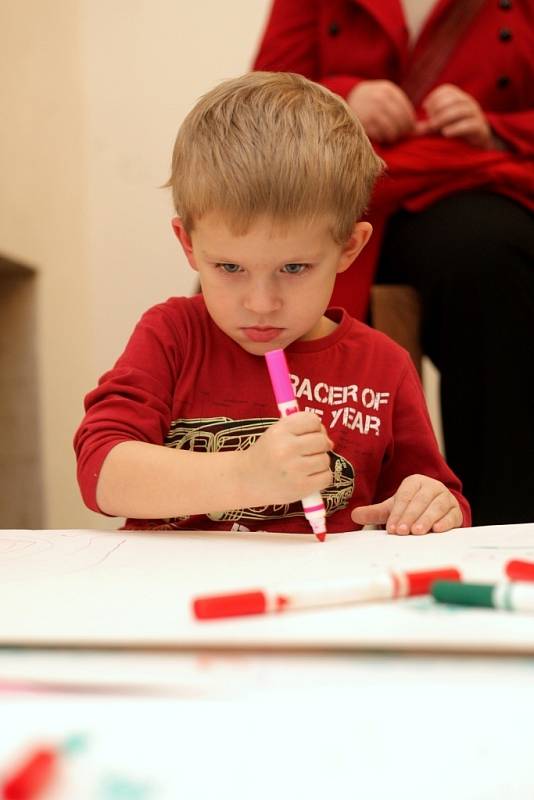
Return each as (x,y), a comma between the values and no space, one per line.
(313,461)
(290,460)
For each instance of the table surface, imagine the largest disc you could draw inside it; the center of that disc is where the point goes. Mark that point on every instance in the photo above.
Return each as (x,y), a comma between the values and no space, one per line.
(94,588)
(240,724)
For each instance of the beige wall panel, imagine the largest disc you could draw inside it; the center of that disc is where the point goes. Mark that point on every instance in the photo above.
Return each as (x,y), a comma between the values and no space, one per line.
(42,211)
(92,93)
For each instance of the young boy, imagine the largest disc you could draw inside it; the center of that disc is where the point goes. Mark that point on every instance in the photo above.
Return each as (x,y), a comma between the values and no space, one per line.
(270,176)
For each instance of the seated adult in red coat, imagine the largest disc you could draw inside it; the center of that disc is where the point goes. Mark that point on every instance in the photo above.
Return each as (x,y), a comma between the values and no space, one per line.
(445,90)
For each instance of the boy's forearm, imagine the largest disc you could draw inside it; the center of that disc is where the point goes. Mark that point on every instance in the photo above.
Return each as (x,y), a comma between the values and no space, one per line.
(147,481)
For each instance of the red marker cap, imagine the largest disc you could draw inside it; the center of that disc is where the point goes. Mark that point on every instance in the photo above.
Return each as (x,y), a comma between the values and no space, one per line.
(420,582)
(230,605)
(32,776)
(520,570)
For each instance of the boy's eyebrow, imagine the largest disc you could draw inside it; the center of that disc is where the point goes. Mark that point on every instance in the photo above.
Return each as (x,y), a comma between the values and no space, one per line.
(297,260)
(211,257)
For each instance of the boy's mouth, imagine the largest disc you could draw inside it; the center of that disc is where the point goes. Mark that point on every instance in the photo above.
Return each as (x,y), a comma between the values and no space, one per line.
(261,334)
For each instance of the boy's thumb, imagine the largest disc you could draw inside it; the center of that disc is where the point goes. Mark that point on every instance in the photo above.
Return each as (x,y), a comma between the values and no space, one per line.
(376,514)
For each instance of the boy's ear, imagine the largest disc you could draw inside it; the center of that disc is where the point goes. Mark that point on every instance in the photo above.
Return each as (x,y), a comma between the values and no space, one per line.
(185,240)
(361,233)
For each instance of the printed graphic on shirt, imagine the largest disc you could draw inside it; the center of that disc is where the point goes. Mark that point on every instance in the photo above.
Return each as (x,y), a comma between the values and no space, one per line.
(217,434)
(354,407)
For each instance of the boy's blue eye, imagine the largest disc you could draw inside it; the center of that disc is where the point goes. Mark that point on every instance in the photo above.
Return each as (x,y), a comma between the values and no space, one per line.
(294,269)
(229,268)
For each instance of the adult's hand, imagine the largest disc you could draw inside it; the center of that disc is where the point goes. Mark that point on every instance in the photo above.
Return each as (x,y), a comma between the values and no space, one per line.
(384,110)
(456,114)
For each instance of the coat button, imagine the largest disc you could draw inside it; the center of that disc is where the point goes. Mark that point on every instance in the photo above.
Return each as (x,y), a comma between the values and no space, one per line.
(506,5)
(334,29)
(505,34)
(503,81)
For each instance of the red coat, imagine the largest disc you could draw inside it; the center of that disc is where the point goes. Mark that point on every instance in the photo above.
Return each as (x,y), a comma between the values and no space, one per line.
(341,42)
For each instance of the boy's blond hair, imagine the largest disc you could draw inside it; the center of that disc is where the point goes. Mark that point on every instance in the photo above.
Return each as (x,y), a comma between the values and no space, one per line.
(275,144)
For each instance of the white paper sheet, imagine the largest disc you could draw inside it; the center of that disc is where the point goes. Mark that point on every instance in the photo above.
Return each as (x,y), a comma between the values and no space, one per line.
(90,588)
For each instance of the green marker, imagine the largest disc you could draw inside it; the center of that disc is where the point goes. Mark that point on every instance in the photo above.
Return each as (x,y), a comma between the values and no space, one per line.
(513,596)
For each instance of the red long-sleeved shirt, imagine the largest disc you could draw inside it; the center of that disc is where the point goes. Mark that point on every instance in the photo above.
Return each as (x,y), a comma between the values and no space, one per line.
(181,382)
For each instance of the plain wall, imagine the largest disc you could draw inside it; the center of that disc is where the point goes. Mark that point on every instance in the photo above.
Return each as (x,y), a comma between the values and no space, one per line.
(43,203)
(92,93)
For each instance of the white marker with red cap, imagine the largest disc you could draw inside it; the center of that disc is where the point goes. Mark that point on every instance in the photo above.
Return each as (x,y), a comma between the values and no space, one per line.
(383,586)
(313,505)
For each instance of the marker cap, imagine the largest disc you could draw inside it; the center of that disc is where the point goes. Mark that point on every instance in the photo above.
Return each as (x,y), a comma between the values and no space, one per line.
(464,594)
(279,372)
(230,605)
(518,570)
(32,777)
(420,582)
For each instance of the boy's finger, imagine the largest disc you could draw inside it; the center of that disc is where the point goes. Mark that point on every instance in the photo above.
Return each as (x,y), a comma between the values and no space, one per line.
(302,422)
(402,500)
(401,522)
(374,514)
(316,464)
(440,506)
(311,444)
(453,519)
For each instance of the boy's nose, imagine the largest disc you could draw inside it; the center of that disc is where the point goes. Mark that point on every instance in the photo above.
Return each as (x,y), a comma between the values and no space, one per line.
(261,299)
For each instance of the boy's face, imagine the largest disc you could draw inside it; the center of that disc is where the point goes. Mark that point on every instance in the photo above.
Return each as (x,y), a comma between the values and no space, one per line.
(272,285)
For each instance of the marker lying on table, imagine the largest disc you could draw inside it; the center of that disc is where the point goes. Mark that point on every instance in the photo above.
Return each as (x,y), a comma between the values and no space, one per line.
(385,586)
(313,505)
(518,570)
(506,595)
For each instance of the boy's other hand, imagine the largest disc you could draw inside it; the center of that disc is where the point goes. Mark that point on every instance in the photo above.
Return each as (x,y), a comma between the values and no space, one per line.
(290,460)
(420,505)
(384,110)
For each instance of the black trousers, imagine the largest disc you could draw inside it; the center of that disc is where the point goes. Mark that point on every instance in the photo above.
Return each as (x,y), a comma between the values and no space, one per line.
(471,257)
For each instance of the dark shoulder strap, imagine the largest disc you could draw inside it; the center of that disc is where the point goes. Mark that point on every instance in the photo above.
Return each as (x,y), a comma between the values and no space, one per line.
(432,57)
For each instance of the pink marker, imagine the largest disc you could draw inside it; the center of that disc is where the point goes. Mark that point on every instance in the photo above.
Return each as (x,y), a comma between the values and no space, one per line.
(383,586)
(313,505)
